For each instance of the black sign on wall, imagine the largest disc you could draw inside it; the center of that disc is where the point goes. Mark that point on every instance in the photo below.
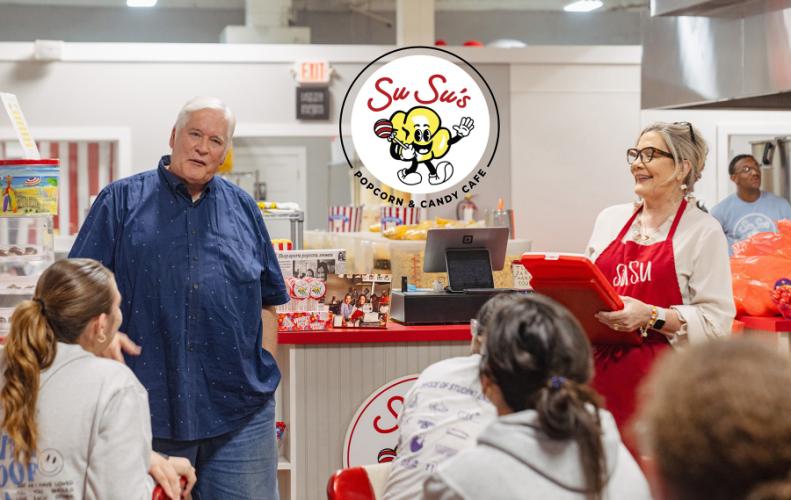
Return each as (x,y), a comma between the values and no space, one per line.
(313,103)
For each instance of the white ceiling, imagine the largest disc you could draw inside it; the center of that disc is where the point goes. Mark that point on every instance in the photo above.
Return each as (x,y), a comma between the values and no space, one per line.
(323,5)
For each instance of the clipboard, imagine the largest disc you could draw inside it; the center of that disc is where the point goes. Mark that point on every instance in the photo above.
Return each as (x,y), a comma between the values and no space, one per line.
(576,283)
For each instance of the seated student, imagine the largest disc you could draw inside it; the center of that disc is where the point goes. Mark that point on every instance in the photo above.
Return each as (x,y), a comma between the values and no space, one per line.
(715,420)
(75,425)
(551,439)
(443,413)
(749,210)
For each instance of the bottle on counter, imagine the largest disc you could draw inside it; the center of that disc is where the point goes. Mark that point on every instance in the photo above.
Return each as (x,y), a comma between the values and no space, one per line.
(466,210)
(503,217)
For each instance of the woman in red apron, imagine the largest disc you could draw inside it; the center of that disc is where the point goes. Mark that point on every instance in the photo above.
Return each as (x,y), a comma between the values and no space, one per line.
(641,264)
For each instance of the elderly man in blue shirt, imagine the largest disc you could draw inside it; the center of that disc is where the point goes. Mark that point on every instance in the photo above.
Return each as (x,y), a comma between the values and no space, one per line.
(199,281)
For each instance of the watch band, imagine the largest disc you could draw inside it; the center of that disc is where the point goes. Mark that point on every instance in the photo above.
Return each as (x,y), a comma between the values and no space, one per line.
(661,317)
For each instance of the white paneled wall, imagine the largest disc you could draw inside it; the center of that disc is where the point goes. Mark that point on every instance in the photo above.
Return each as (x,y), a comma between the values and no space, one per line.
(570,127)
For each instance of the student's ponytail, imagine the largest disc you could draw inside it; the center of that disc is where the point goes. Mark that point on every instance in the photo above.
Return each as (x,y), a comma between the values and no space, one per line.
(569,410)
(30,348)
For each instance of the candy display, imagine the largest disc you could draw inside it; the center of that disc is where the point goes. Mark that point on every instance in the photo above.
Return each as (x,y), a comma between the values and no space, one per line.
(781,296)
(345,218)
(302,321)
(391,216)
(419,231)
(30,187)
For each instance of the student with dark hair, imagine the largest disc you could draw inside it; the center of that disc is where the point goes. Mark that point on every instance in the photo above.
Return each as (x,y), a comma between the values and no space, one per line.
(749,210)
(714,419)
(77,425)
(551,439)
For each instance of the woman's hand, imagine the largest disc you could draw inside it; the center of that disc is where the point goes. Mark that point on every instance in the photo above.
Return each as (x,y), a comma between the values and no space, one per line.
(633,316)
(184,469)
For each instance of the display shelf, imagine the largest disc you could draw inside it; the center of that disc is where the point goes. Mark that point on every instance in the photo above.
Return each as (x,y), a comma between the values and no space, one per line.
(283,464)
(297,220)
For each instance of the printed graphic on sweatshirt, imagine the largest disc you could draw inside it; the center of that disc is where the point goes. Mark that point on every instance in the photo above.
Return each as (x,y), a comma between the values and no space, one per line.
(39,479)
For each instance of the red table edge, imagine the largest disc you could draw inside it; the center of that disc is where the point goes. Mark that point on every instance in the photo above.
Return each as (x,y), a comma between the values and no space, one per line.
(766,323)
(394,333)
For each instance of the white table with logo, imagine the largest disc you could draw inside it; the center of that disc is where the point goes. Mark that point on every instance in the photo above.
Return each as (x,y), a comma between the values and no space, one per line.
(329,375)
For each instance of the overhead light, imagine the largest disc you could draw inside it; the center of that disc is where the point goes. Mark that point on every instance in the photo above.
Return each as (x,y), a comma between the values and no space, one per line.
(581,6)
(141,3)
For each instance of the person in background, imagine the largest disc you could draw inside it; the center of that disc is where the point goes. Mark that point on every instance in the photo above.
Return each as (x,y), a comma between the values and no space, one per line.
(667,259)
(749,210)
(200,281)
(714,421)
(76,424)
(551,439)
(443,413)
(346,306)
(321,271)
(359,310)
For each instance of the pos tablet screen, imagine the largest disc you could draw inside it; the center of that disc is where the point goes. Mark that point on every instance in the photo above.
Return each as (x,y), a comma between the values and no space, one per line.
(576,282)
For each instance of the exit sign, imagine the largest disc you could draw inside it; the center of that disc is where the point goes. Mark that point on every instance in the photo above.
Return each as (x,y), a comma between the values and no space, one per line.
(313,72)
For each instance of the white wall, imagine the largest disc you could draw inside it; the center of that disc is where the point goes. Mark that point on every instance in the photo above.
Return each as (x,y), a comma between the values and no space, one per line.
(571,125)
(573,111)
(717,126)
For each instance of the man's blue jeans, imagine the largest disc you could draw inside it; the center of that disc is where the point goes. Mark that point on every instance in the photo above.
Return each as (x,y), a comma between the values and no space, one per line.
(240,465)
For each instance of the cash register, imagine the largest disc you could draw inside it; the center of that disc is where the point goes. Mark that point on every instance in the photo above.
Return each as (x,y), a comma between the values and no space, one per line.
(468,255)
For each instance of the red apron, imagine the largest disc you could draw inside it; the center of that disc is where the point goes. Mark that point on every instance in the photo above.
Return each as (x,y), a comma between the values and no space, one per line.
(646,273)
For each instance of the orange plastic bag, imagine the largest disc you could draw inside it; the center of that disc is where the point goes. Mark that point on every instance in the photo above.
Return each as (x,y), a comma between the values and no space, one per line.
(757,263)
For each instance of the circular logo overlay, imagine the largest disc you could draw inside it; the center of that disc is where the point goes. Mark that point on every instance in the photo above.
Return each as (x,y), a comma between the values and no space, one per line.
(420,124)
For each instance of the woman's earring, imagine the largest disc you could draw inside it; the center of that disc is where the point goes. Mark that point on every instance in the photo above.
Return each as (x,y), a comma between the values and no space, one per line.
(684,188)
(101,338)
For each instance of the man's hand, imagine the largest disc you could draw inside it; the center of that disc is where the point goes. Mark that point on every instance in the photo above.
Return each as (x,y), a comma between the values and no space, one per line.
(119,345)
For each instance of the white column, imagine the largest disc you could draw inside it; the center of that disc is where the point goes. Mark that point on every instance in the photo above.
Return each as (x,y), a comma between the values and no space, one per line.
(415,22)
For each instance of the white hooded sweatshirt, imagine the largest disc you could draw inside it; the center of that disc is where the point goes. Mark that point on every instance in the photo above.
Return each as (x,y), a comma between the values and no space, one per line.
(94,434)
(515,460)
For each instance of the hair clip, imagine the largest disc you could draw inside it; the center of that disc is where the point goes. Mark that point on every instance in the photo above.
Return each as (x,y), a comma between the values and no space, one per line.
(556,382)
(41,304)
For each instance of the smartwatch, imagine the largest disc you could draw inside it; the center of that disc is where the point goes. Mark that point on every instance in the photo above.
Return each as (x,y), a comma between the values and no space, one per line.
(661,316)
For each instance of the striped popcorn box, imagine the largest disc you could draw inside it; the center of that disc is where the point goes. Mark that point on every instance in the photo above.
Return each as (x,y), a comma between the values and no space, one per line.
(397,216)
(345,219)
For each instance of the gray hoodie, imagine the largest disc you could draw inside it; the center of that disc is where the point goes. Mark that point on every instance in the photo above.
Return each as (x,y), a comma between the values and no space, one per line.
(514,459)
(94,434)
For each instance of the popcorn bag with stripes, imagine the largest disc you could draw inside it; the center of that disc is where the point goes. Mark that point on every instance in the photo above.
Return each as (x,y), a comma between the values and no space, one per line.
(345,219)
(391,217)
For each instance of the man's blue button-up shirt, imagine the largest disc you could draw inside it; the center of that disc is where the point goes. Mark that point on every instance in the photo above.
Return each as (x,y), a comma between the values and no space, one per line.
(193,278)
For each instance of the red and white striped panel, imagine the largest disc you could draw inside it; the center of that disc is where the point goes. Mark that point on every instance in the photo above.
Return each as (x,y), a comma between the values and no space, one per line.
(85,168)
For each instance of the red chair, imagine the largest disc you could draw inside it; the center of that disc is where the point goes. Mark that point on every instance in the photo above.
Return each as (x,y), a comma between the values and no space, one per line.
(159,493)
(358,483)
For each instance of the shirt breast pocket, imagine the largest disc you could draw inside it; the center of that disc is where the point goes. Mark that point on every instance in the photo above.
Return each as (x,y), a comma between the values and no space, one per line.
(239,261)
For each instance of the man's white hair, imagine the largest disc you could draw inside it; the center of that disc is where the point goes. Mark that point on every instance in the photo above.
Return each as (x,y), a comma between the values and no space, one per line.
(203,102)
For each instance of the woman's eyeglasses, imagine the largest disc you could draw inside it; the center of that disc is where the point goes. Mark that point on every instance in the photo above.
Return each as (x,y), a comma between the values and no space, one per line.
(645,154)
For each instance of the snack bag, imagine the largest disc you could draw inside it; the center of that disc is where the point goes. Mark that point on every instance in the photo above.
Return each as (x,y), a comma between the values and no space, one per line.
(757,264)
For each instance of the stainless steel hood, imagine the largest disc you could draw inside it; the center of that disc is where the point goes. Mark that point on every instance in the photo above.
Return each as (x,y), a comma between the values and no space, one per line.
(717,54)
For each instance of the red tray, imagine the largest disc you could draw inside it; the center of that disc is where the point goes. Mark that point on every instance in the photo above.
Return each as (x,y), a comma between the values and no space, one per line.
(576,282)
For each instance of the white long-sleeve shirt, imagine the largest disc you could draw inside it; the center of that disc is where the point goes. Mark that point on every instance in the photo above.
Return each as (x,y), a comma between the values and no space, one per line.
(94,433)
(702,267)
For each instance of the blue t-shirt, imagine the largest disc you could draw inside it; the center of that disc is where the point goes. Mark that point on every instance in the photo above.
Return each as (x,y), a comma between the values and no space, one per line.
(740,219)
(193,277)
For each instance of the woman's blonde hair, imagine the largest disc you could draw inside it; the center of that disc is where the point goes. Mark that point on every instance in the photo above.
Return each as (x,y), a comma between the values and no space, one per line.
(684,142)
(69,294)
(715,420)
